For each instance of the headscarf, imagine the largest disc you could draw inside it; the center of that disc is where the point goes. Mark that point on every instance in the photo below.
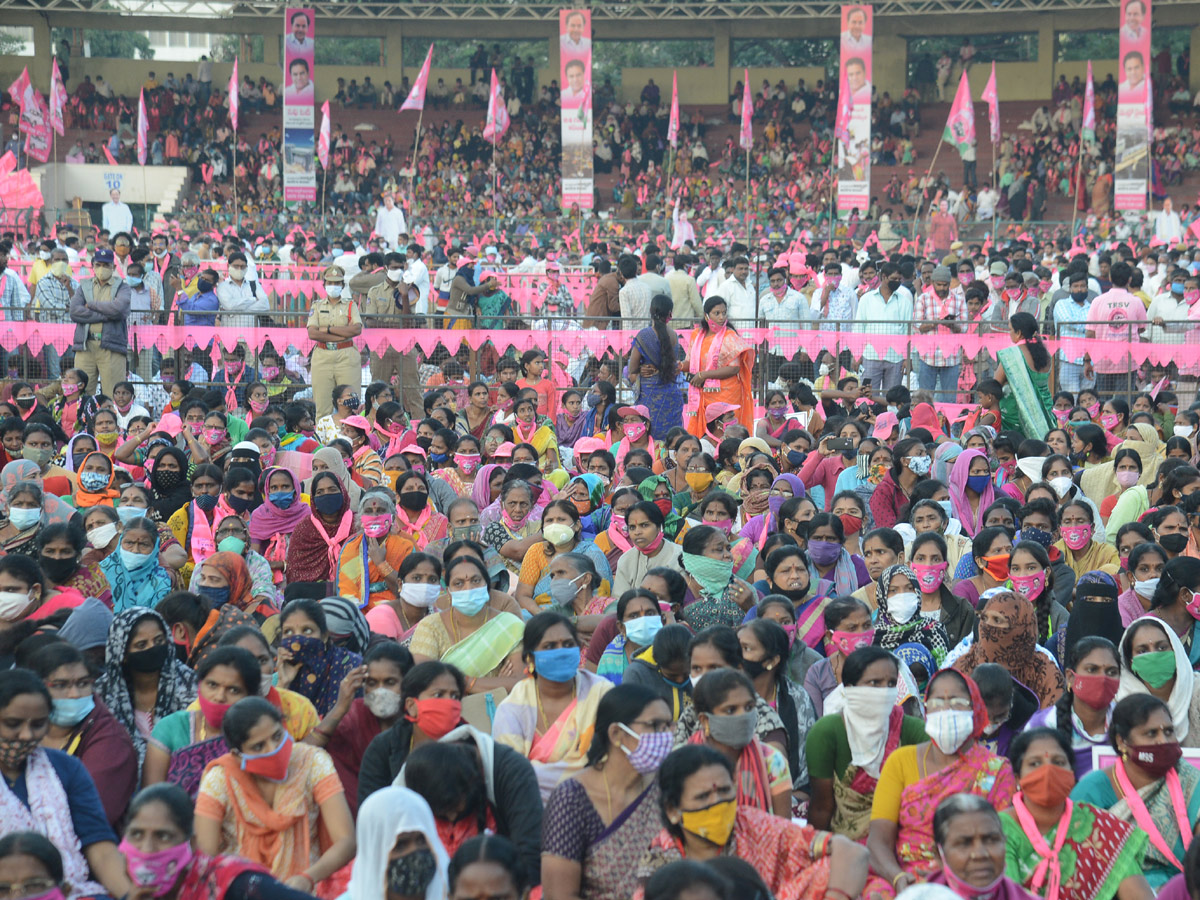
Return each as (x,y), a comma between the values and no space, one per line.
(68,454)
(1090,617)
(166,502)
(54,509)
(337,465)
(597,519)
(87,626)
(1180,700)
(234,570)
(925,416)
(943,458)
(103,497)
(1015,648)
(176,682)
(890,634)
(1099,481)
(268,520)
(346,620)
(313,553)
(972,522)
(481,493)
(979,709)
(917,655)
(674,522)
(322,666)
(383,817)
(142,586)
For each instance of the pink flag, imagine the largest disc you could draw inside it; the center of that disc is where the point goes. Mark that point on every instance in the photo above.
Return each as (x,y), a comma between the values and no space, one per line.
(1089,108)
(20,88)
(234,98)
(1149,109)
(143,132)
(416,97)
(108,155)
(845,112)
(58,99)
(960,125)
(323,137)
(746,138)
(993,103)
(497,114)
(673,122)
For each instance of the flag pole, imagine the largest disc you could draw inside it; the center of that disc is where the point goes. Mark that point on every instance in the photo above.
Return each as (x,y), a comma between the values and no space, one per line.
(324,178)
(416,146)
(921,196)
(237,211)
(1075,197)
(145,201)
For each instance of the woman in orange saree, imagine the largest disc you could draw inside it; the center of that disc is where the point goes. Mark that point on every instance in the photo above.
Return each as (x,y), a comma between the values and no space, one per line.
(719,365)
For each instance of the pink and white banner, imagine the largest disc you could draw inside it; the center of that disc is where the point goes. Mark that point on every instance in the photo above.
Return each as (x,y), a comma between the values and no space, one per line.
(673,120)
(35,122)
(1133,96)
(299,169)
(143,129)
(854,109)
(575,71)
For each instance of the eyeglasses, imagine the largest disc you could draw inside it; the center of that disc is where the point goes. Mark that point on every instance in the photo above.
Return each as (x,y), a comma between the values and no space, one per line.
(31,888)
(958,704)
(658,726)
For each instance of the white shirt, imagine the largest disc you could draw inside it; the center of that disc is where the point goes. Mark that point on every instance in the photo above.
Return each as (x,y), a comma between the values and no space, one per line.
(243,297)
(390,224)
(739,301)
(419,274)
(892,316)
(442,279)
(116,217)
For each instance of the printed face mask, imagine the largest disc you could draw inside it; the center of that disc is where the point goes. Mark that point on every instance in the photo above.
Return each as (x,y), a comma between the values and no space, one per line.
(930,575)
(847,642)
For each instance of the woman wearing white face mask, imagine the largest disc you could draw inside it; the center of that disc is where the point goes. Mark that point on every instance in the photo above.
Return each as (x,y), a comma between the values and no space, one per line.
(333,323)
(103,527)
(900,621)
(420,586)
(354,722)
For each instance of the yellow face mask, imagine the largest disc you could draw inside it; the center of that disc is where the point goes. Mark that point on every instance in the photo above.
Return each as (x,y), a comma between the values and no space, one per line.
(713,823)
(698,481)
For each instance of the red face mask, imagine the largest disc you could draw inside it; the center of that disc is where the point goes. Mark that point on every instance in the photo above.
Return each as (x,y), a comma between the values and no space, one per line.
(273,765)
(664,505)
(437,716)
(1097,691)
(997,566)
(1048,785)
(214,713)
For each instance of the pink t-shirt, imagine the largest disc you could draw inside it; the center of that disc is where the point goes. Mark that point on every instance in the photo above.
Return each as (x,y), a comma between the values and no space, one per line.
(1117,307)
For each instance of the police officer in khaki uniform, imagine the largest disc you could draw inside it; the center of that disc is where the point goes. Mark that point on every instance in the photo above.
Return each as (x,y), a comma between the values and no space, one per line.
(389,305)
(333,323)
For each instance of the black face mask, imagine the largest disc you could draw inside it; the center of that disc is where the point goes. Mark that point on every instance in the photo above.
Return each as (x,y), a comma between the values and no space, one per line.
(204,285)
(239,504)
(150,660)
(414,500)
(1079,296)
(59,570)
(893,283)
(328,504)
(1173,543)
(167,480)
(26,402)
(753,667)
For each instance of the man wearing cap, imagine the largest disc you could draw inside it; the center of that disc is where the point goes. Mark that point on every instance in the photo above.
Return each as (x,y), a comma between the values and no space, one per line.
(941,309)
(333,323)
(100,309)
(886,310)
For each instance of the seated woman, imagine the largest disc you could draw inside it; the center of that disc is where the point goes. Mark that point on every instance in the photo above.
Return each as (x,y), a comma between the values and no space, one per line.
(142,682)
(368,467)
(68,580)
(310,663)
(134,571)
(991,550)
(420,577)
(928,561)
(717,596)
(593,839)
(549,716)
(355,721)
(971,489)
(481,642)
(782,489)
(192,524)
(160,827)
(644,524)
(657,490)
(52,794)
(835,570)
(916,778)
(882,547)
(1104,854)
(1150,786)
(488,866)
(24,501)
(613,540)
(899,621)
(280,513)
(96,476)
(417,519)
(639,619)
(705,818)
(573,585)
(102,525)
(81,726)
(847,749)
(399,851)
(314,552)
(1008,636)
(847,627)
(275,802)
(517,528)
(970,842)
(720,510)
(561,533)
(1078,524)
(369,564)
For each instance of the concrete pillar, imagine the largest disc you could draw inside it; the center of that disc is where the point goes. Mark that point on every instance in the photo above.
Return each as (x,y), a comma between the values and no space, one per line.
(41,64)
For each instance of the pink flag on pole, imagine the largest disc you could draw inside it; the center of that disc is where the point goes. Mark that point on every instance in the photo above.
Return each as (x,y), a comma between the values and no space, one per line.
(143,132)
(234,97)
(1089,107)
(673,122)
(112,161)
(960,125)
(58,99)
(1149,109)
(497,113)
(993,104)
(746,138)
(21,88)
(845,112)
(416,97)
(323,137)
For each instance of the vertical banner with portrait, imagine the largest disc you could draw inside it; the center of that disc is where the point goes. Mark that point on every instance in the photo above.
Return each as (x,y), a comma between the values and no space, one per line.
(575,76)
(299,163)
(1133,93)
(854,138)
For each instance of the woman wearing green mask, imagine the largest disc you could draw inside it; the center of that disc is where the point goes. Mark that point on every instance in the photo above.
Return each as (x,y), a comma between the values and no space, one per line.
(1154,661)
(717,597)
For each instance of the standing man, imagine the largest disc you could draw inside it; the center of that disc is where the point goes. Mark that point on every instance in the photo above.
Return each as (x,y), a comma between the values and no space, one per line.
(942,310)
(386,307)
(689,305)
(1119,308)
(203,80)
(604,306)
(634,296)
(417,275)
(333,323)
(443,278)
(1070,312)
(52,304)
(390,223)
(116,216)
(739,294)
(886,310)
(100,309)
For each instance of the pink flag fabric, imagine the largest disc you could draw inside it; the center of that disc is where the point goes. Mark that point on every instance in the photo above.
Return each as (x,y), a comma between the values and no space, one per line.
(746,138)
(58,99)
(143,132)
(993,103)
(845,112)
(960,125)
(234,97)
(497,114)
(21,88)
(112,160)
(323,137)
(1149,109)
(1089,107)
(673,122)
(416,97)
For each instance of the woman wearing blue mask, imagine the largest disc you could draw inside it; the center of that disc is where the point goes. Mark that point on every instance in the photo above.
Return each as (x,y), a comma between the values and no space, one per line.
(550,715)
(134,572)
(639,619)
(481,642)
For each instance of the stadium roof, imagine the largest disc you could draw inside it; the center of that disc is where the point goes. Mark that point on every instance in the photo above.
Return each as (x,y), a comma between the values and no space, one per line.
(522,10)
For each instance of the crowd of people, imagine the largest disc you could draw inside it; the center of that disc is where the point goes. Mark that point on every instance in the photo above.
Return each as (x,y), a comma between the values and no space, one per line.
(312,621)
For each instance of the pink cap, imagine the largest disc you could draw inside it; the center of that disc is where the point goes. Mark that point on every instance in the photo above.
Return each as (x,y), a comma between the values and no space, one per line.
(414,448)
(638,410)
(589,445)
(885,423)
(504,451)
(170,424)
(359,422)
(716,410)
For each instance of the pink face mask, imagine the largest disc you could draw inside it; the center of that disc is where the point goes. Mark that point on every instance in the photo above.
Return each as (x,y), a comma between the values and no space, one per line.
(258,407)
(468,462)
(214,436)
(1127,478)
(1029,586)
(1109,422)
(377,526)
(846,642)
(268,372)
(930,575)
(779,291)
(635,431)
(997,281)
(964,278)
(158,870)
(1061,414)
(69,389)
(833,280)
(723,525)
(1094,409)
(1191,297)
(1076,536)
